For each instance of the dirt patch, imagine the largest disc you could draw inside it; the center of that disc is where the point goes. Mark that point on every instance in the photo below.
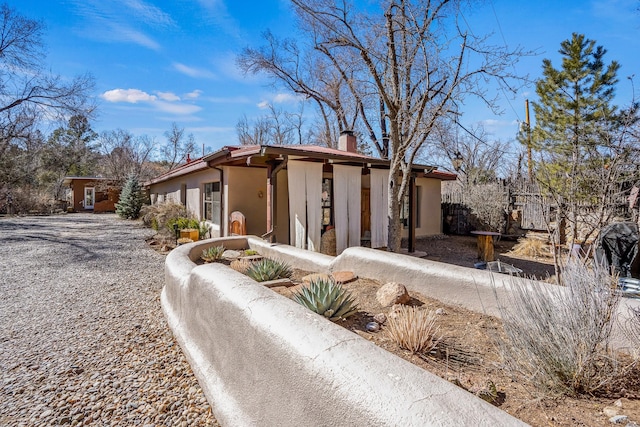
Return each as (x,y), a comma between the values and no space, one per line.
(463,251)
(467,355)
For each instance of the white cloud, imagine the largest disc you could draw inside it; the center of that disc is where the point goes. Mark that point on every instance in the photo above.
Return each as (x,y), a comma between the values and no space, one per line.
(263,105)
(166,102)
(168,96)
(127,95)
(193,94)
(174,108)
(281,98)
(192,71)
(121,21)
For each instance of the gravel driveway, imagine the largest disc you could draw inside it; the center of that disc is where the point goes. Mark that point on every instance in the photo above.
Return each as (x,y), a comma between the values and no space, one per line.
(82,336)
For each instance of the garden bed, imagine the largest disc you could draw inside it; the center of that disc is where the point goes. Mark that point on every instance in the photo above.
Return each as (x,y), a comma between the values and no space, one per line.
(468,356)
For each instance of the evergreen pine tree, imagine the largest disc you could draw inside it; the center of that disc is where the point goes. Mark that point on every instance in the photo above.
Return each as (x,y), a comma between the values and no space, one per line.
(131,199)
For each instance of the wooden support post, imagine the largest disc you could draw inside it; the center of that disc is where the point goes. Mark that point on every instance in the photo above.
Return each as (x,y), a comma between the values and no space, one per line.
(412,215)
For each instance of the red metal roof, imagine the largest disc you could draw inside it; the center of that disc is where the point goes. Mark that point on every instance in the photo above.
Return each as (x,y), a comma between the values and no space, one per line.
(233,153)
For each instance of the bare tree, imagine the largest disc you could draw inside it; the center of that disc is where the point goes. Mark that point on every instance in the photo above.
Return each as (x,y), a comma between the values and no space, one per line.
(401,68)
(126,155)
(29,93)
(178,146)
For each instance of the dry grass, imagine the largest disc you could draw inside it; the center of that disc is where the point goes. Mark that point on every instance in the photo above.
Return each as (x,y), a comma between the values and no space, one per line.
(241,265)
(532,248)
(413,329)
(559,336)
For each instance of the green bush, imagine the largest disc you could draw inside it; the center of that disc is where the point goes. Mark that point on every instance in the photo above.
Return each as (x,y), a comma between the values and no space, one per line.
(213,253)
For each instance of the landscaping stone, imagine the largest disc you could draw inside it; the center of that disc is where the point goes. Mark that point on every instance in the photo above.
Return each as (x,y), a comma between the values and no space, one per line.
(344,276)
(230,255)
(277,282)
(380,318)
(610,411)
(619,419)
(392,293)
(314,277)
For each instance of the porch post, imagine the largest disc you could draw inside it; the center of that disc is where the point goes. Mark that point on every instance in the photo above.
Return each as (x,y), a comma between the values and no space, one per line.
(271,203)
(412,214)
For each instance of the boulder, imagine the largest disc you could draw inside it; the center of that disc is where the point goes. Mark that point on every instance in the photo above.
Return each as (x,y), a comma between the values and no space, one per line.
(392,293)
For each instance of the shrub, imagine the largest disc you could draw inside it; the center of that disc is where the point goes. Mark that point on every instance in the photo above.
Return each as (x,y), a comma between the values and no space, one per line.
(559,335)
(328,299)
(268,269)
(413,329)
(159,215)
(213,253)
(183,222)
(131,199)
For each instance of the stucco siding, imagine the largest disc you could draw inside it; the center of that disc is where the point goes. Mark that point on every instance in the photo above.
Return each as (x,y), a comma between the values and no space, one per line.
(246,191)
(430,210)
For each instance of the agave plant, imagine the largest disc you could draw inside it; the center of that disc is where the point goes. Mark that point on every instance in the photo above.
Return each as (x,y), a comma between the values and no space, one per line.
(268,269)
(327,298)
(212,254)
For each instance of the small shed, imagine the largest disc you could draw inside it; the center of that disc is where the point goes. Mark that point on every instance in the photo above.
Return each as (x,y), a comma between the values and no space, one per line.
(91,194)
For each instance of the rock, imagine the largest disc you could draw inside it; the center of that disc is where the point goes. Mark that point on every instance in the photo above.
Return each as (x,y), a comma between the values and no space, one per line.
(373,327)
(343,276)
(441,312)
(315,276)
(619,419)
(231,254)
(380,318)
(611,411)
(392,293)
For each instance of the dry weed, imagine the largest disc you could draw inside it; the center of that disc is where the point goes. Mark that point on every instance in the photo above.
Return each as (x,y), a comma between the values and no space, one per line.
(559,336)
(532,248)
(413,329)
(240,265)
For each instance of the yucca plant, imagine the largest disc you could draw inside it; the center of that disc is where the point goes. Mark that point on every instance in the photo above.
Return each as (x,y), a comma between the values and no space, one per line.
(327,298)
(269,269)
(413,329)
(212,254)
(240,265)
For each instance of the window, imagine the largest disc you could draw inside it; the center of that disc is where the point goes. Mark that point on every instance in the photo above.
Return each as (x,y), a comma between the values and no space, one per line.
(211,202)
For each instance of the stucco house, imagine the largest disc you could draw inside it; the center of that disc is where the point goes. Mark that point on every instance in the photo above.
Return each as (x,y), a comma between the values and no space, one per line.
(91,194)
(293,194)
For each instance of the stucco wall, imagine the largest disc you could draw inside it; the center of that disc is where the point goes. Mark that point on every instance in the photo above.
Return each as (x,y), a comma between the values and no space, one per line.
(263,359)
(247,192)
(430,207)
(194,183)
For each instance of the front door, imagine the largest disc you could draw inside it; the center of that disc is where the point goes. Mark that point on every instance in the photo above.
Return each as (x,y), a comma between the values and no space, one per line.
(89,197)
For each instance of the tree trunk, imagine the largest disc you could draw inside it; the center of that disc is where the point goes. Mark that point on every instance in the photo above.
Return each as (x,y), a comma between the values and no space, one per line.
(395,229)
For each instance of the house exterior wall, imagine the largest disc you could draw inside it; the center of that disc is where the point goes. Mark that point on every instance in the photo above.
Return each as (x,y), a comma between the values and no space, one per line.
(246,191)
(430,210)
(282,197)
(192,183)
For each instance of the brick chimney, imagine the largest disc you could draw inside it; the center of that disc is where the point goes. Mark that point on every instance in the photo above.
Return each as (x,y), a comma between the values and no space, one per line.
(347,142)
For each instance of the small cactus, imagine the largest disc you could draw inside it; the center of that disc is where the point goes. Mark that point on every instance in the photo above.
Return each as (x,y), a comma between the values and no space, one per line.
(212,254)
(268,269)
(327,298)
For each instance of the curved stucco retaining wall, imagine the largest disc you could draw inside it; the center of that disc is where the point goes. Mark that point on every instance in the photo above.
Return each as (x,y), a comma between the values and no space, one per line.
(264,360)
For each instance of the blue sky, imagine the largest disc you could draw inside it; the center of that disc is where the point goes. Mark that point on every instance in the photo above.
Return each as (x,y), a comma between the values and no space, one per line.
(156,62)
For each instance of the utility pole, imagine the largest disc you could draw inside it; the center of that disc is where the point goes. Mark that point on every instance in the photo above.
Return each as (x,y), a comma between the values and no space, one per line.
(528,122)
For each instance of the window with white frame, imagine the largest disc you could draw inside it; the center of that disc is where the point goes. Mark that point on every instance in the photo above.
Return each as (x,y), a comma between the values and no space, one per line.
(211,202)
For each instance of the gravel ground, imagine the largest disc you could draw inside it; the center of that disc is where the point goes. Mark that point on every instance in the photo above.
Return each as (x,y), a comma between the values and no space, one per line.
(83,339)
